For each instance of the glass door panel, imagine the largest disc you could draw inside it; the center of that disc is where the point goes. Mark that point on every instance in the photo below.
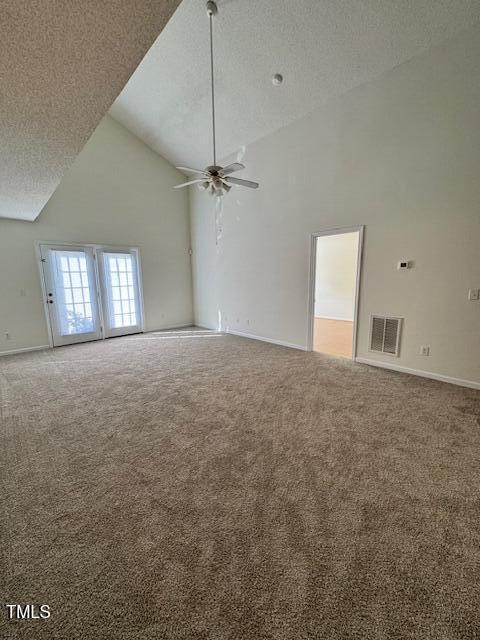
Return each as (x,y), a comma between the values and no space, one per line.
(71,293)
(121,292)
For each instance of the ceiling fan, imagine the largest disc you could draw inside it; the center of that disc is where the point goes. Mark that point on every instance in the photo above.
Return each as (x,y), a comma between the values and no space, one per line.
(214,179)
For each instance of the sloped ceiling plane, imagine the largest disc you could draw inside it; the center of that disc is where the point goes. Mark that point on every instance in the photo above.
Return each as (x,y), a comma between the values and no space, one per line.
(62,64)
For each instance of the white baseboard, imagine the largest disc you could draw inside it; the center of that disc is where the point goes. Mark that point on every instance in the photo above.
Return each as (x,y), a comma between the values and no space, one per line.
(170,327)
(335,318)
(471,384)
(11,352)
(251,336)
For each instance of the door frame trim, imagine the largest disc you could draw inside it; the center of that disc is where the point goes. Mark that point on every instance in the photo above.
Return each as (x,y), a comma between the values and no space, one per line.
(335,231)
(43,285)
(96,248)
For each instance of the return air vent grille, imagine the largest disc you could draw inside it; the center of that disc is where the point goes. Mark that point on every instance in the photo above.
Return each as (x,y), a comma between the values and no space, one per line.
(385,335)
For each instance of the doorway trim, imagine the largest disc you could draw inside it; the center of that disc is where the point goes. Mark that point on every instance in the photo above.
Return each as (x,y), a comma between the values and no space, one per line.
(335,231)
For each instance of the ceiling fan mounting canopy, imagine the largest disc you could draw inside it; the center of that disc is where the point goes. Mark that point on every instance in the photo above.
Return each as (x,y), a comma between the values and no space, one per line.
(215,179)
(212,8)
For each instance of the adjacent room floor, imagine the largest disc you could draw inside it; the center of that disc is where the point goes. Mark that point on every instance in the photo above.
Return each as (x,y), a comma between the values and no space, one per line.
(195,485)
(334,337)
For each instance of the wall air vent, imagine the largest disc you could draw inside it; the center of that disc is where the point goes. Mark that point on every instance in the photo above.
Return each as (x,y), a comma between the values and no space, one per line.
(385,334)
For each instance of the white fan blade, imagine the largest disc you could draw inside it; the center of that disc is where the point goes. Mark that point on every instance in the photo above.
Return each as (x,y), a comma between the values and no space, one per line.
(243,183)
(186,184)
(188,170)
(236,166)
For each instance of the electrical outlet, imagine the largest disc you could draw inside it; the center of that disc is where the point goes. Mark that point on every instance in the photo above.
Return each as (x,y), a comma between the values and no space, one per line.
(7,335)
(474,294)
(424,350)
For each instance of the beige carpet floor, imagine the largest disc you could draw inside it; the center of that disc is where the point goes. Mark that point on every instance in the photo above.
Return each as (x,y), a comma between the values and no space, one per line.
(214,487)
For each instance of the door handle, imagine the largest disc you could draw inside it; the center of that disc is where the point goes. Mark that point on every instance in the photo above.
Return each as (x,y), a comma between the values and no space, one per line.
(50,301)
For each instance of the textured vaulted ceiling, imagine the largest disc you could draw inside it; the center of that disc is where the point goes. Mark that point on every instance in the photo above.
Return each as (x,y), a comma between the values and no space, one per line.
(322,47)
(62,63)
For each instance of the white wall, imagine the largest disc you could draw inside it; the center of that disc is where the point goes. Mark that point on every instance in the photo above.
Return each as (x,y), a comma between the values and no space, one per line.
(336,276)
(400,155)
(118,192)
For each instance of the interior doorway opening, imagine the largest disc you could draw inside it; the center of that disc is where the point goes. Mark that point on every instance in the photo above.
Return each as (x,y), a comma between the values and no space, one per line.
(336,265)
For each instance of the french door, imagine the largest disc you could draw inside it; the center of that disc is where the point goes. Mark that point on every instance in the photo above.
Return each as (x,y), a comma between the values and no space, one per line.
(120,292)
(71,293)
(91,292)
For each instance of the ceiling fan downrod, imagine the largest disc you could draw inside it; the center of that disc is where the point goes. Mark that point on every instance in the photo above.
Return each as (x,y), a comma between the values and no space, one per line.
(212,10)
(214,179)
